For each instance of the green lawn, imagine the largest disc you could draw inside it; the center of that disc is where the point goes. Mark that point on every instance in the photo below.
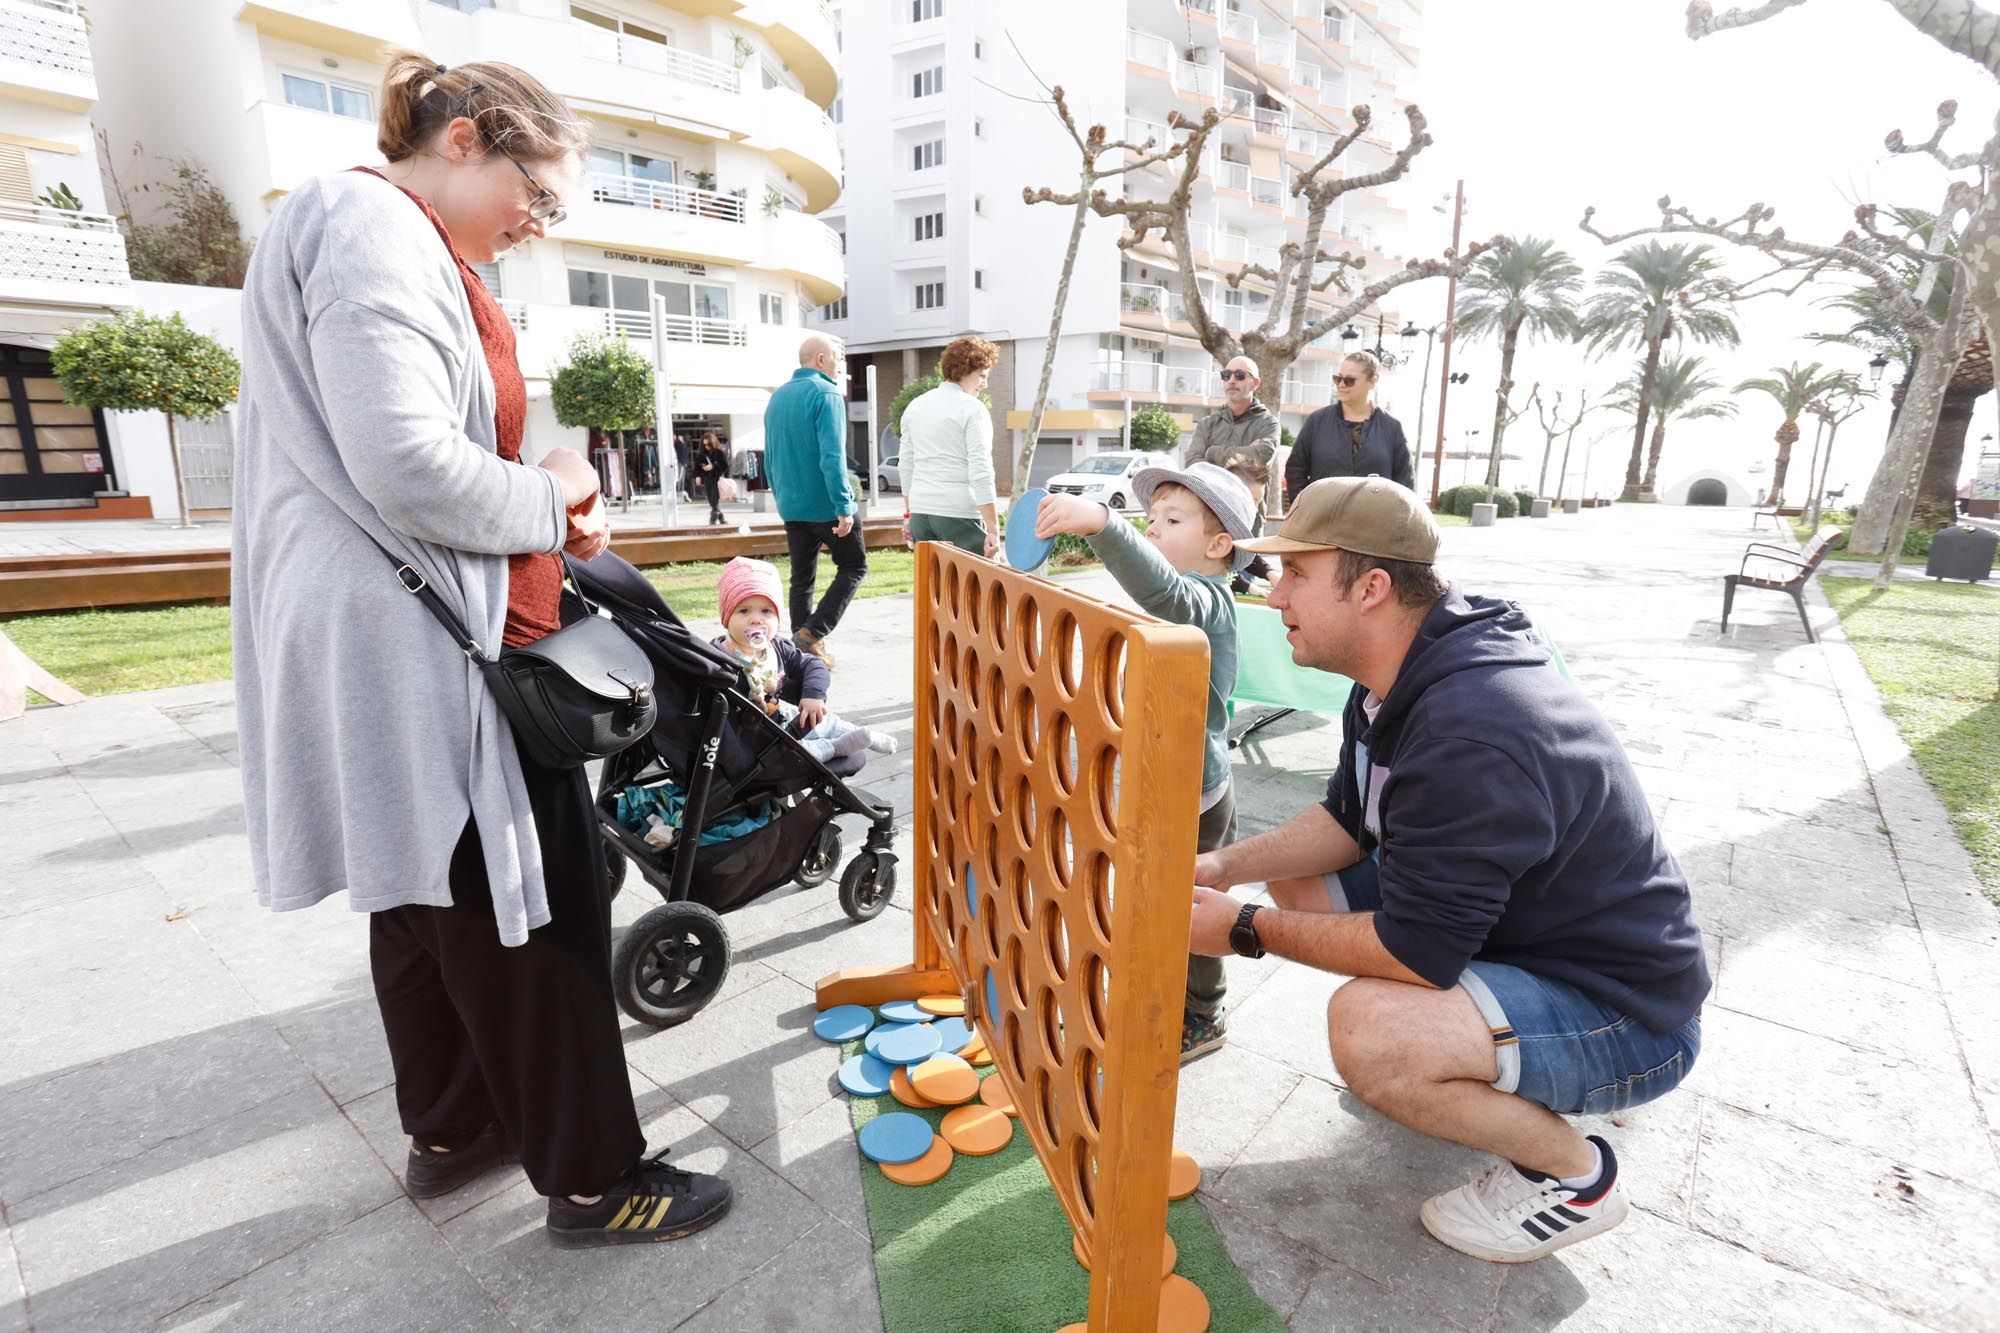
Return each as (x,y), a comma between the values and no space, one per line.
(114,652)
(1931,649)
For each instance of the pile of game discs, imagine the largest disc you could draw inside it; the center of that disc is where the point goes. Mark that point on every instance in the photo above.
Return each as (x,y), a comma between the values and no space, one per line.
(924,1054)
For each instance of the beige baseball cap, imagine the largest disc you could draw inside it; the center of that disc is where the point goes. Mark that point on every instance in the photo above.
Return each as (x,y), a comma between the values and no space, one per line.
(1366,515)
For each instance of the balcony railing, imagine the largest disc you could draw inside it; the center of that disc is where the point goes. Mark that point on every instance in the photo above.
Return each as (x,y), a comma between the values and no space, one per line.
(1149,48)
(1264,190)
(48,34)
(1310,142)
(1306,75)
(1196,80)
(1200,236)
(1312,395)
(54,245)
(1128,377)
(1138,130)
(1233,175)
(679,328)
(669,60)
(1142,298)
(515,310)
(659,195)
(1338,28)
(1271,120)
(1275,48)
(1267,255)
(1239,27)
(1206,7)
(1233,248)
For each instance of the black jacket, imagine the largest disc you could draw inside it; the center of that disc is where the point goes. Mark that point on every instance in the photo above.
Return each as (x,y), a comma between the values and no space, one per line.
(801,675)
(1325,448)
(1510,826)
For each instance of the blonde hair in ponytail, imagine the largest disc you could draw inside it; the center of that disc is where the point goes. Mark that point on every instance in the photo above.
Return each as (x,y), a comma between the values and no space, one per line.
(514,113)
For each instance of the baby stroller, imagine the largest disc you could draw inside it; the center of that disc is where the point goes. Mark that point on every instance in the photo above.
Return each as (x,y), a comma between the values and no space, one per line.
(756,809)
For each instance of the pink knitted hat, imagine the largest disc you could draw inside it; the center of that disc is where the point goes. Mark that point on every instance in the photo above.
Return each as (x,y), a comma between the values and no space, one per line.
(744,578)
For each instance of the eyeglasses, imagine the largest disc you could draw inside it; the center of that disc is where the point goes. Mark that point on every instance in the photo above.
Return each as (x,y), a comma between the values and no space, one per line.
(1347,381)
(543,206)
(1237,375)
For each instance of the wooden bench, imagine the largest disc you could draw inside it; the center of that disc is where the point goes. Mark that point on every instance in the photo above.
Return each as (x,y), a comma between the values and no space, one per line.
(1802,564)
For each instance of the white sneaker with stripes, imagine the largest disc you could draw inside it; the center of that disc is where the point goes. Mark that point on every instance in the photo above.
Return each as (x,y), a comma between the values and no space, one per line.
(1509,1218)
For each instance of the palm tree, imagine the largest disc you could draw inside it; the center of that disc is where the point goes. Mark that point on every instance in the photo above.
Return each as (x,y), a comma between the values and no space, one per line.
(1795,389)
(1651,293)
(1680,393)
(1530,287)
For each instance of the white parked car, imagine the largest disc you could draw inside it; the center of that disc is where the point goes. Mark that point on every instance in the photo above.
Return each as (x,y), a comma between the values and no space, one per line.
(889,473)
(1107,477)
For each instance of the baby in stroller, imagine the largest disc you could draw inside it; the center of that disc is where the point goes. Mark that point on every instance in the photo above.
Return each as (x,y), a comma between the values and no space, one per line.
(789,682)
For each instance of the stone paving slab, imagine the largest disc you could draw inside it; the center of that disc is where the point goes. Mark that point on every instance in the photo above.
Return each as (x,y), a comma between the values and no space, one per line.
(197,1127)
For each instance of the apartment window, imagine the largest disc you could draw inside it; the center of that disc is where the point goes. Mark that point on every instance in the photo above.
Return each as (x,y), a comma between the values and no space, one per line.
(612,23)
(926,155)
(922,11)
(464,6)
(342,99)
(929,226)
(836,310)
(630,298)
(930,296)
(979,204)
(489,274)
(978,48)
(632,166)
(979,279)
(843,241)
(978,127)
(837,113)
(927,82)
(770,309)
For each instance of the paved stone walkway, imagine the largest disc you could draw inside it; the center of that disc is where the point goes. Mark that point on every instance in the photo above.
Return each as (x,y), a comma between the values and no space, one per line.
(197,1128)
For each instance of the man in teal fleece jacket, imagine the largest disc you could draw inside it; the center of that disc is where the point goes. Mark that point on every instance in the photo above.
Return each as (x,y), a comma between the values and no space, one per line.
(805,433)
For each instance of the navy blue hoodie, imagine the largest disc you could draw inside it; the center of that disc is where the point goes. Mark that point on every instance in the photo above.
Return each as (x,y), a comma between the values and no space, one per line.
(1509,825)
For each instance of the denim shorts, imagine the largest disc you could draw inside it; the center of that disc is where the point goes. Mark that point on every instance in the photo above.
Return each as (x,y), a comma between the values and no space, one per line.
(1553,1044)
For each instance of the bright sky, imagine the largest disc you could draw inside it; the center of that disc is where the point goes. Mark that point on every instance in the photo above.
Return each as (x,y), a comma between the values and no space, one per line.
(1546,107)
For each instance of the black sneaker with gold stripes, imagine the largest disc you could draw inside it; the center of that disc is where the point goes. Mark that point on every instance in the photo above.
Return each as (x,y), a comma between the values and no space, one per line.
(651,1202)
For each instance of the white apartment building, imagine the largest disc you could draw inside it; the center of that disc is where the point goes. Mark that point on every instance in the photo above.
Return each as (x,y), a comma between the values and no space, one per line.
(711,150)
(59,265)
(941,130)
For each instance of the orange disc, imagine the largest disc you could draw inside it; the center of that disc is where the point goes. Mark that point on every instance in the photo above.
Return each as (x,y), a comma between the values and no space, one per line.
(1168,1256)
(945,1080)
(927,1169)
(1183,1309)
(974,1052)
(900,1089)
(977,1131)
(945,1006)
(1183,1176)
(994,1093)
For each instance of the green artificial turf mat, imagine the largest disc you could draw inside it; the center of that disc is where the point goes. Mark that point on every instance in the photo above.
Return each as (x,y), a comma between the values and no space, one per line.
(987,1248)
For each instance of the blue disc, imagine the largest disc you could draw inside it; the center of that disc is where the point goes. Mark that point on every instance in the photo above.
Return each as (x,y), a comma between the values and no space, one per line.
(992,1001)
(865,1076)
(910,1045)
(953,1033)
(1024,549)
(903,1011)
(881,1034)
(844,1022)
(896,1138)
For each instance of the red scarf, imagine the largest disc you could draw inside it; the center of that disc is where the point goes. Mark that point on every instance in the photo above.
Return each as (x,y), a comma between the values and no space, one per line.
(534,580)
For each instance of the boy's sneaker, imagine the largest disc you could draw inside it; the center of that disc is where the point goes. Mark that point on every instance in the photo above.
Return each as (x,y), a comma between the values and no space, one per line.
(651,1202)
(1201,1035)
(431,1173)
(1514,1217)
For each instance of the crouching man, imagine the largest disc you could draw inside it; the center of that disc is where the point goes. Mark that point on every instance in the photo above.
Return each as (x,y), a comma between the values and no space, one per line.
(1484,865)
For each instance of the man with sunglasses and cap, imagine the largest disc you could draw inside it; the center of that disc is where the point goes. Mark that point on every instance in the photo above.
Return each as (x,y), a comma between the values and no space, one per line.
(1485,866)
(1241,436)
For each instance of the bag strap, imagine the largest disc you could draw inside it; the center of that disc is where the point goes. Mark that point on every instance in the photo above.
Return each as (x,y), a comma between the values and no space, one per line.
(415,583)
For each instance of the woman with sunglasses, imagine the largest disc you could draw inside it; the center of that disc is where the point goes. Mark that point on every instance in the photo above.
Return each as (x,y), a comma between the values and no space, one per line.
(382,400)
(1352,437)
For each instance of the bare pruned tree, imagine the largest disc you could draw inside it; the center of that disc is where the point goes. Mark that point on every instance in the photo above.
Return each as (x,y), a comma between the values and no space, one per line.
(1304,270)
(1940,343)
(1550,414)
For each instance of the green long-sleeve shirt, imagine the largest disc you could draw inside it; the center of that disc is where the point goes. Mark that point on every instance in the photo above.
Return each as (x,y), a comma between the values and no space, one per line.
(1201,600)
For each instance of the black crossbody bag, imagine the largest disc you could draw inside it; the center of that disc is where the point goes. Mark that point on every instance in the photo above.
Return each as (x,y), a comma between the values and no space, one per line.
(581,693)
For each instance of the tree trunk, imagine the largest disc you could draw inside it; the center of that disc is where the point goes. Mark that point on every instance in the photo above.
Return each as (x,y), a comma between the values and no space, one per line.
(1784,463)
(1633,465)
(1509,341)
(1937,492)
(1653,453)
(1812,461)
(1819,487)
(1916,424)
(1562,477)
(180,478)
(1024,462)
(1872,513)
(1542,477)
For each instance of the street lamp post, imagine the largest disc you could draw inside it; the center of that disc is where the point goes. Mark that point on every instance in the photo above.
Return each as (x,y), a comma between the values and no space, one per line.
(1450,314)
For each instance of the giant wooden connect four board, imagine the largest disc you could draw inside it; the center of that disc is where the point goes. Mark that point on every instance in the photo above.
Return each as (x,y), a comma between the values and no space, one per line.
(1058,740)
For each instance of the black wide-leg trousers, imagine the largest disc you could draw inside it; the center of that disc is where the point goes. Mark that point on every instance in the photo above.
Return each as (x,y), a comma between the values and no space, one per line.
(527,1036)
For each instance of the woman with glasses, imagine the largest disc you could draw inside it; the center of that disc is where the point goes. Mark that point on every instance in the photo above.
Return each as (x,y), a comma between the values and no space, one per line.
(383,404)
(1352,437)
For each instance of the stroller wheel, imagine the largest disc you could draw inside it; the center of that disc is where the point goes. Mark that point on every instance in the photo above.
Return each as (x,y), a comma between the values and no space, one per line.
(670,963)
(817,865)
(614,867)
(867,885)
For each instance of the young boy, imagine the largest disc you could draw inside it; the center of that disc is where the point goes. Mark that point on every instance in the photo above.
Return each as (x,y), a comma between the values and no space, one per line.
(790,682)
(1180,571)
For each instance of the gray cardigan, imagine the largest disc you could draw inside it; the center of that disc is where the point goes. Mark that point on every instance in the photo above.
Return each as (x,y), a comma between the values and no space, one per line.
(366,736)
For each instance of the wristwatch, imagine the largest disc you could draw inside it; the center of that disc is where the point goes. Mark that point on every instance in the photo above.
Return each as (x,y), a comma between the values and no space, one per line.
(1243,935)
